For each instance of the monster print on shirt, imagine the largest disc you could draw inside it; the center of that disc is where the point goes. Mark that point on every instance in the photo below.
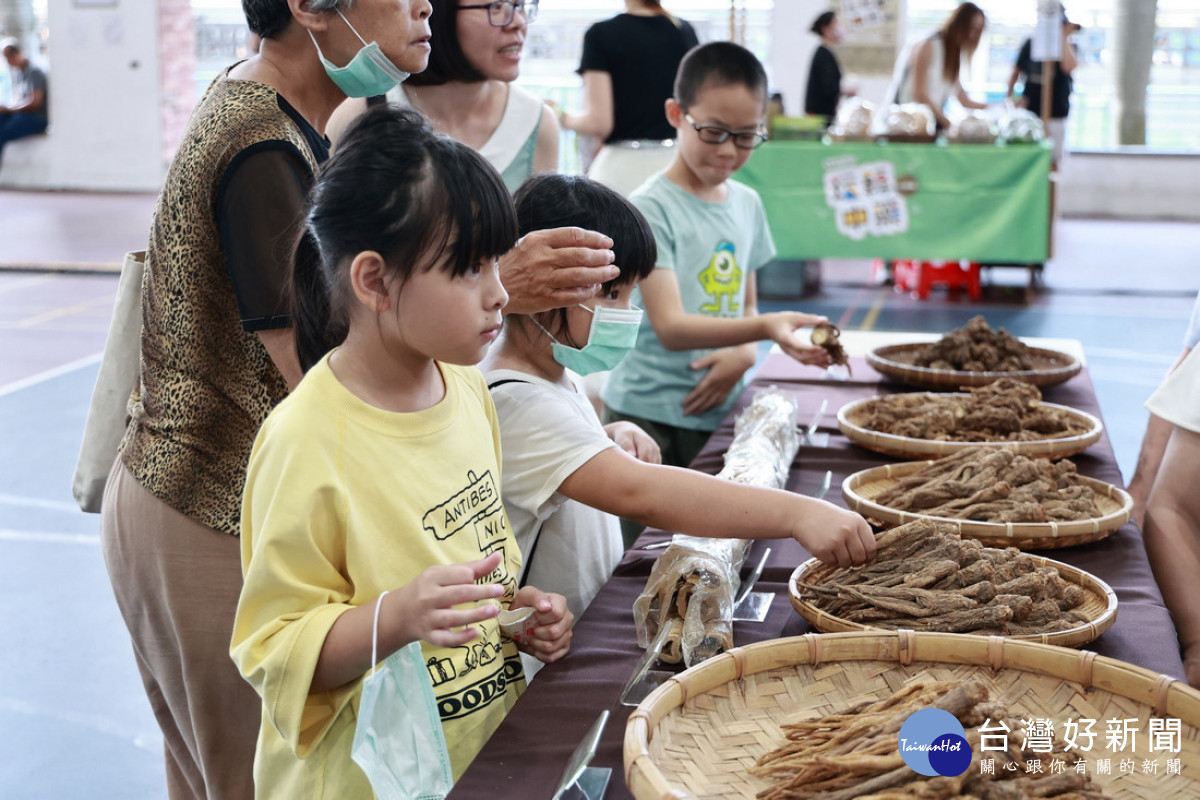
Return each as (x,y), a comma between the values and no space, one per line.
(722,280)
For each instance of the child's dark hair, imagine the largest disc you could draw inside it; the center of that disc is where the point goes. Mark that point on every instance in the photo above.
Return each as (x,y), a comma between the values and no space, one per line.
(723,63)
(551,200)
(447,61)
(393,186)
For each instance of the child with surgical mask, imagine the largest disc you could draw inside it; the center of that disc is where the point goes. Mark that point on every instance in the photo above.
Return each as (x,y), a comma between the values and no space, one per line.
(566,478)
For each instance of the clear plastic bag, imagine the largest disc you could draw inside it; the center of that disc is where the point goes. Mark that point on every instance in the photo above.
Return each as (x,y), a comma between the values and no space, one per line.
(694,581)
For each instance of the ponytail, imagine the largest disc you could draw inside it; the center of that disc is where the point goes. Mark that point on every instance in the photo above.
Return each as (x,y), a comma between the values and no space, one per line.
(311,307)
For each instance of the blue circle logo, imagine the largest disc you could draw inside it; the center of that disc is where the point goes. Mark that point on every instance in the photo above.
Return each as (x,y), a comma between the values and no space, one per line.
(932,742)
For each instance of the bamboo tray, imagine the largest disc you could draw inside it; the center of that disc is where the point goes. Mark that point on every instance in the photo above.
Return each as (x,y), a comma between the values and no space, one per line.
(697,734)
(850,415)
(896,362)
(1115,505)
(1100,607)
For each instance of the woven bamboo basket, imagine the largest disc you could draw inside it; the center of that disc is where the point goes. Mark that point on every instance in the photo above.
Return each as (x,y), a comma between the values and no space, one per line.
(850,423)
(895,361)
(1115,506)
(1100,607)
(699,732)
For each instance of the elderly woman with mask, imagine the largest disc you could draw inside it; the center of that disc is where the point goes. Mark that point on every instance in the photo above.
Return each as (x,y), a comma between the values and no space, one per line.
(218,353)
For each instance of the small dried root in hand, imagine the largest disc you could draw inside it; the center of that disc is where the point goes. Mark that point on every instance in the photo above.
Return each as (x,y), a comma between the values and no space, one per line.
(826,335)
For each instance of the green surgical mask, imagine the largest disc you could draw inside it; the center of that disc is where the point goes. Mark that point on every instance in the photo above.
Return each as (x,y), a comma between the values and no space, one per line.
(612,335)
(368,74)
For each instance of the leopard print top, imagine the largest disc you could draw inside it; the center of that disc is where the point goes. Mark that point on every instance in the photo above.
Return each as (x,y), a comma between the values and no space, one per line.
(206,384)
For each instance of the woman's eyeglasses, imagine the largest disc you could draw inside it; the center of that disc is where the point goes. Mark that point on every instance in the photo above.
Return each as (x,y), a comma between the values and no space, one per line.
(715,134)
(501,12)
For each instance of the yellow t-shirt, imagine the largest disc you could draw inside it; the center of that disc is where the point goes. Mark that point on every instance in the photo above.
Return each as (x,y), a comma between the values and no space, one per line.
(344,500)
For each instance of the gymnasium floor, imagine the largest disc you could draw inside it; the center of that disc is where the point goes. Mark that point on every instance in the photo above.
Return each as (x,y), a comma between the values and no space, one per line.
(74,722)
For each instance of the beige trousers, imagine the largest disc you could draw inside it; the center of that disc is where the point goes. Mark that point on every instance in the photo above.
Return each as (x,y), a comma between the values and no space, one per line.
(177,584)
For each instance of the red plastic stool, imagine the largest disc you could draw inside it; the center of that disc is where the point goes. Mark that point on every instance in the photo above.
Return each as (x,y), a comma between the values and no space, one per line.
(920,276)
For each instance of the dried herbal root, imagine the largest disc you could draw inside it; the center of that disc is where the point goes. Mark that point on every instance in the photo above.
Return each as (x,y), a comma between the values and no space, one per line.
(826,335)
(1003,411)
(926,577)
(990,484)
(853,755)
(975,347)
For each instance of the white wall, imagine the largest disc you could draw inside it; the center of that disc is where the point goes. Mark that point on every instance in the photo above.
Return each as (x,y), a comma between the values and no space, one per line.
(104,102)
(1130,185)
(791,53)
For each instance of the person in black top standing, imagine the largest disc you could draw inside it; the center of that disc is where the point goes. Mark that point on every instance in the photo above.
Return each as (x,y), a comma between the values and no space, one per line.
(628,68)
(825,75)
(1030,72)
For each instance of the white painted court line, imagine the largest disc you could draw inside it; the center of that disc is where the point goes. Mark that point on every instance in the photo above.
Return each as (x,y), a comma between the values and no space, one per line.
(54,372)
(49,538)
(142,740)
(33,502)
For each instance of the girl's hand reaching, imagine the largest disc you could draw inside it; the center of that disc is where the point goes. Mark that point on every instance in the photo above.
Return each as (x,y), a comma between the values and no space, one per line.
(425,609)
(551,639)
(834,535)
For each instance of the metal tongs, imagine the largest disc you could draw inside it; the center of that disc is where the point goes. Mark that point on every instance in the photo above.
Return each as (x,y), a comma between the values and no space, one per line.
(644,680)
(751,606)
(811,437)
(579,781)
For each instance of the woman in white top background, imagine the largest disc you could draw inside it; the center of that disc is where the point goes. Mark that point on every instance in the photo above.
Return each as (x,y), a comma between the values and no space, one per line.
(467,91)
(931,72)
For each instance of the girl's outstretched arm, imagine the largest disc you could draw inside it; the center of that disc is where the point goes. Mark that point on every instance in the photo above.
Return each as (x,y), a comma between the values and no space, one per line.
(697,504)
(421,609)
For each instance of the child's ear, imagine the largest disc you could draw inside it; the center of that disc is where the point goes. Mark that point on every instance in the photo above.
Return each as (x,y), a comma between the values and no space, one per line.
(369,277)
(674,112)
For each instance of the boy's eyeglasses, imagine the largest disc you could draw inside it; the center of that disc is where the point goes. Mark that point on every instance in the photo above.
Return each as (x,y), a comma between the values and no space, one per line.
(715,134)
(501,12)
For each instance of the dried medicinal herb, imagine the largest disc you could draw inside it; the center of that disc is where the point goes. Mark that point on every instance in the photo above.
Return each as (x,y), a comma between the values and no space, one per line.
(946,583)
(853,755)
(975,347)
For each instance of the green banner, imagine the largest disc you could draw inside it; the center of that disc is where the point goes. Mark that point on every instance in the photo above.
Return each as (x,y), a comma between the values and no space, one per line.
(986,203)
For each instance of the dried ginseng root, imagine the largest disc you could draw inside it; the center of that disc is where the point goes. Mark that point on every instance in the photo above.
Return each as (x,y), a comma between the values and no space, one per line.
(854,755)
(926,577)
(988,484)
(826,335)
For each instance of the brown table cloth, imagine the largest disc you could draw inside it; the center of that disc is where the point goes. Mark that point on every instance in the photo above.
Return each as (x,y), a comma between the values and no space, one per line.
(528,753)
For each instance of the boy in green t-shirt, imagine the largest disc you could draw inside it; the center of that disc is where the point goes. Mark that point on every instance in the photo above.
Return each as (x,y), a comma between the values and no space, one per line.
(698,336)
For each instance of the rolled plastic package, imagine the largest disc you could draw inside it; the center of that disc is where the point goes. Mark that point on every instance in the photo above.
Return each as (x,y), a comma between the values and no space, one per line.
(693,583)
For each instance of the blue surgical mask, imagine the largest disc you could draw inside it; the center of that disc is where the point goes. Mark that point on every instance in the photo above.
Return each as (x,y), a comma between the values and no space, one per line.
(398,739)
(368,74)
(612,335)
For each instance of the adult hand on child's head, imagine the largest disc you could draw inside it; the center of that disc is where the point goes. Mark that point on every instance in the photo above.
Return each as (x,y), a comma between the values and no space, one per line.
(424,608)
(635,441)
(832,534)
(725,367)
(551,638)
(555,268)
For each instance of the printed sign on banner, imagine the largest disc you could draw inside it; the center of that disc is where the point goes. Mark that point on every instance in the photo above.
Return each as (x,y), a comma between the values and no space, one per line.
(865,200)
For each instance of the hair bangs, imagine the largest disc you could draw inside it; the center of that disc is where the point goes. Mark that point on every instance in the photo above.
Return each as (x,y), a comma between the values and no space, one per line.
(480,221)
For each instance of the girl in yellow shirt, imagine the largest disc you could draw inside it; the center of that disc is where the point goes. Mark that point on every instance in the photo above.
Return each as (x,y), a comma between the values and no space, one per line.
(380,473)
